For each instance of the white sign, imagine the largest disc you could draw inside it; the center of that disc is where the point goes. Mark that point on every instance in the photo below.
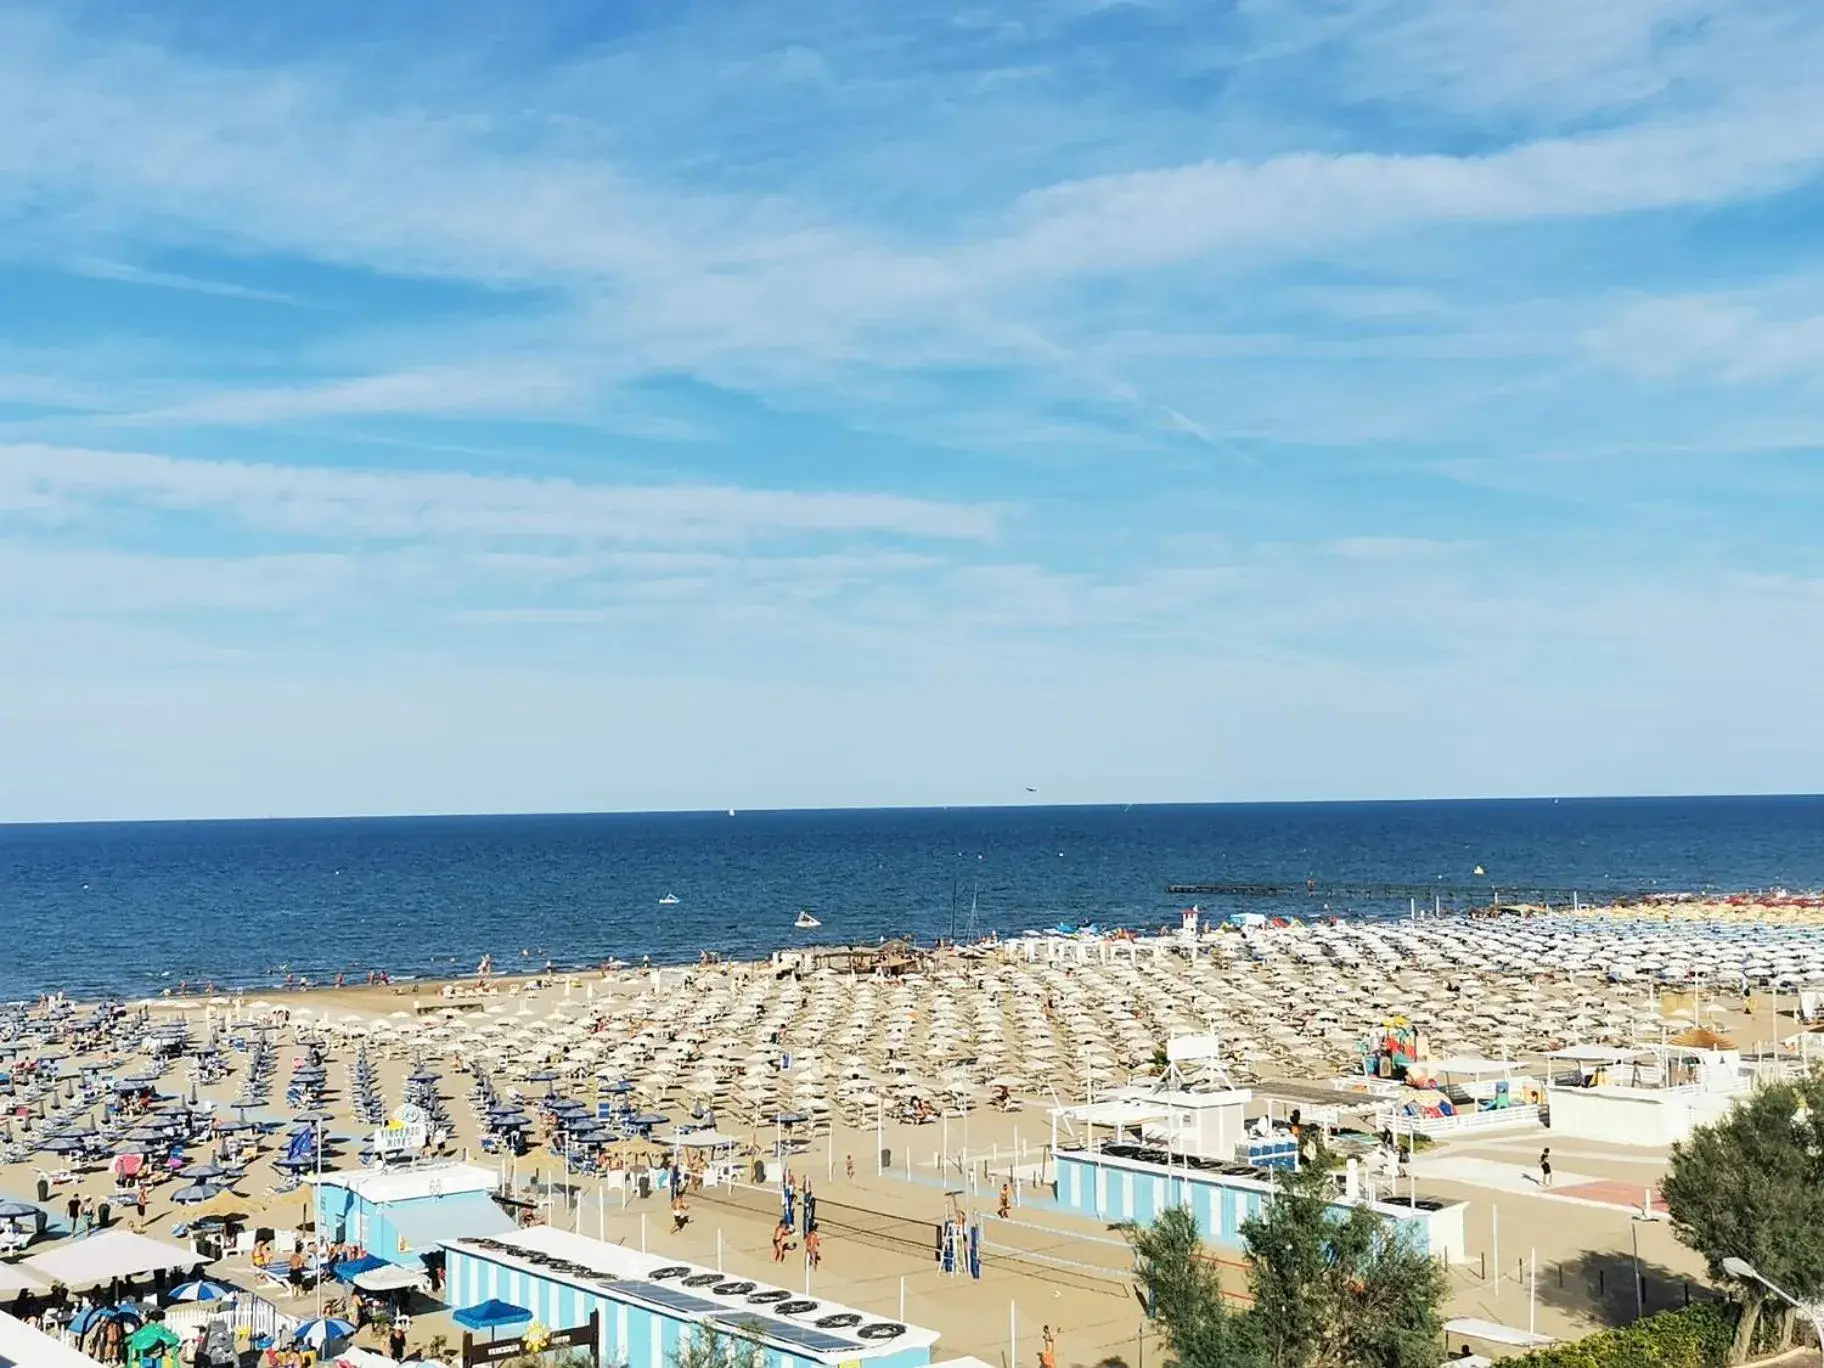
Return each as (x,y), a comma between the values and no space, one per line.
(1182,1048)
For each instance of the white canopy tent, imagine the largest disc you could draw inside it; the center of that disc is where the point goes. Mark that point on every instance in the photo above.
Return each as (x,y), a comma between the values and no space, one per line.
(21,1344)
(111,1254)
(392,1278)
(14,1279)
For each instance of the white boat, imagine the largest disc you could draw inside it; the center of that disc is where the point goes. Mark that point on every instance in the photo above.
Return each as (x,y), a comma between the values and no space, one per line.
(669,900)
(806,922)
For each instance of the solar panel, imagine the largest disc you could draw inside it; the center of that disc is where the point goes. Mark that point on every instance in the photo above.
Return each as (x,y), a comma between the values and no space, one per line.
(670,1298)
(804,1336)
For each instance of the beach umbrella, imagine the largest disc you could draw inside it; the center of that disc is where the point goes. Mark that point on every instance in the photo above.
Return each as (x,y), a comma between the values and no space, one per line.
(490,1315)
(202,1173)
(126,1311)
(15,1211)
(325,1330)
(194,1195)
(201,1290)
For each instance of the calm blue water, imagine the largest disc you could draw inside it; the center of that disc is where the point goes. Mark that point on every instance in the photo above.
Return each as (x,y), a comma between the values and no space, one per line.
(96,908)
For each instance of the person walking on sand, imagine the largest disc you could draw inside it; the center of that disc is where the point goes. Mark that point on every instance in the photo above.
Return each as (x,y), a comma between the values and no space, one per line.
(1048,1349)
(1545,1167)
(1006,1204)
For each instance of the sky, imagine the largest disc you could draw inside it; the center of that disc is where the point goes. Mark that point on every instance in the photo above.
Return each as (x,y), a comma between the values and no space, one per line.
(423,408)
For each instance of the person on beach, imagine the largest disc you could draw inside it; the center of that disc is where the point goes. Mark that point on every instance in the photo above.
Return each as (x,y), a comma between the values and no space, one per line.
(781,1233)
(1545,1167)
(813,1248)
(1048,1349)
(74,1207)
(1005,1209)
(848,1167)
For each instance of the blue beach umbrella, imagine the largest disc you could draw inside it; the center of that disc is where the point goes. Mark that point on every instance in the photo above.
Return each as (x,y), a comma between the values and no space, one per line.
(194,1194)
(126,1312)
(326,1330)
(202,1290)
(490,1315)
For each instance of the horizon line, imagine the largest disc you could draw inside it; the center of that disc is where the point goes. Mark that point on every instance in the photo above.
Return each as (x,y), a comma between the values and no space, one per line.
(531,814)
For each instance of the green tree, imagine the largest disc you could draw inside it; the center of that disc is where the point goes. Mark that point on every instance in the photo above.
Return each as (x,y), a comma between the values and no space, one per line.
(707,1347)
(1184,1295)
(1751,1186)
(1338,1288)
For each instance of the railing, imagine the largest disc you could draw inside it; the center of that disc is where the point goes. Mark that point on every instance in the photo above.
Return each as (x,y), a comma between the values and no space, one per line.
(1434,1127)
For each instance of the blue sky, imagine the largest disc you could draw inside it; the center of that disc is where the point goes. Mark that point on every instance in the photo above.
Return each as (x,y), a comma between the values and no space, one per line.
(422,408)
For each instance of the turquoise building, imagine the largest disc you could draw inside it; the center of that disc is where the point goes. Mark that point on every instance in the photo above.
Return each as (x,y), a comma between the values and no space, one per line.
(399,1215)
(649,1304)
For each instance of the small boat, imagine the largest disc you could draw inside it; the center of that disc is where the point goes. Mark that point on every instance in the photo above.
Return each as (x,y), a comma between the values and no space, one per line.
(806,922)
(669,900)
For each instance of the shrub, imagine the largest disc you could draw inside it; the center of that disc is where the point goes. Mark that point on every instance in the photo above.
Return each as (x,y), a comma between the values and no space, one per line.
(1692,1337)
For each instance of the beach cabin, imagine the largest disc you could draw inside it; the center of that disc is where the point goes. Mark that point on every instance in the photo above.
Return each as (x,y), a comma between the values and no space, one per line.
(647,1304)
(400,1214)
(1121,1182)
(1653,1095)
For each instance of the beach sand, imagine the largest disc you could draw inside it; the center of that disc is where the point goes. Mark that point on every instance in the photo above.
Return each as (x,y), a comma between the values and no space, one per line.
(964,1019)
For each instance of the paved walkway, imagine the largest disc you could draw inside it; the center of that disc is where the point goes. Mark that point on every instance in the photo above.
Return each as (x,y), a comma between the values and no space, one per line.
(1566,1187)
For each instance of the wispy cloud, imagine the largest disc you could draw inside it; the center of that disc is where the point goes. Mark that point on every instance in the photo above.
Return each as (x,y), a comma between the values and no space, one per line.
(325,502)
(1718,338)
(99,269)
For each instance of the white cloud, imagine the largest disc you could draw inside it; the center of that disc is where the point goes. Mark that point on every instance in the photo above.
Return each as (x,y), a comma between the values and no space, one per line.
(319,501)
(1294,203)
(1723,339)
(502,386)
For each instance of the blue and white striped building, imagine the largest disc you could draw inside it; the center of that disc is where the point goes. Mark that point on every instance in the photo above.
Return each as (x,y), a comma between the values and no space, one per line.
(1112,1187)
(563,1278)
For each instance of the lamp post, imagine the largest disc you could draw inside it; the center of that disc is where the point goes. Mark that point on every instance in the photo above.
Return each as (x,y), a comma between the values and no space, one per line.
(1743,1271)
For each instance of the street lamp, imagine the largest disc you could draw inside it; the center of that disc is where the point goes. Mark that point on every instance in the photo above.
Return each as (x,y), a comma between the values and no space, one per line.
(1743,1271)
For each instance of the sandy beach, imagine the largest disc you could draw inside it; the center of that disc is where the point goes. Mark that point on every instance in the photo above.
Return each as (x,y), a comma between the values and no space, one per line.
(950,1064)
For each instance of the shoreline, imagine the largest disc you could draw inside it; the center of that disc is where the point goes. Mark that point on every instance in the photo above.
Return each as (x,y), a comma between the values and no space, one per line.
(435,992)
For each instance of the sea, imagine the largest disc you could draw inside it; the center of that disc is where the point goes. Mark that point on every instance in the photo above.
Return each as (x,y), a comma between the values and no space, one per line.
(136,908)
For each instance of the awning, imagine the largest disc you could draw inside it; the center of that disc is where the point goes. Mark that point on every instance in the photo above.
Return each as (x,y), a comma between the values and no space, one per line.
(111,1254)
(422,1226)
(1592,1054)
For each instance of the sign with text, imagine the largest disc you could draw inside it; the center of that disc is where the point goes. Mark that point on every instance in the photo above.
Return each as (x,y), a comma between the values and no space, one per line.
(584,1336)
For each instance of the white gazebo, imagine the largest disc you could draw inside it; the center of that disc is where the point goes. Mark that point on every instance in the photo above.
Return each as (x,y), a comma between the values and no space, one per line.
(21,1344)
(112,1254)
